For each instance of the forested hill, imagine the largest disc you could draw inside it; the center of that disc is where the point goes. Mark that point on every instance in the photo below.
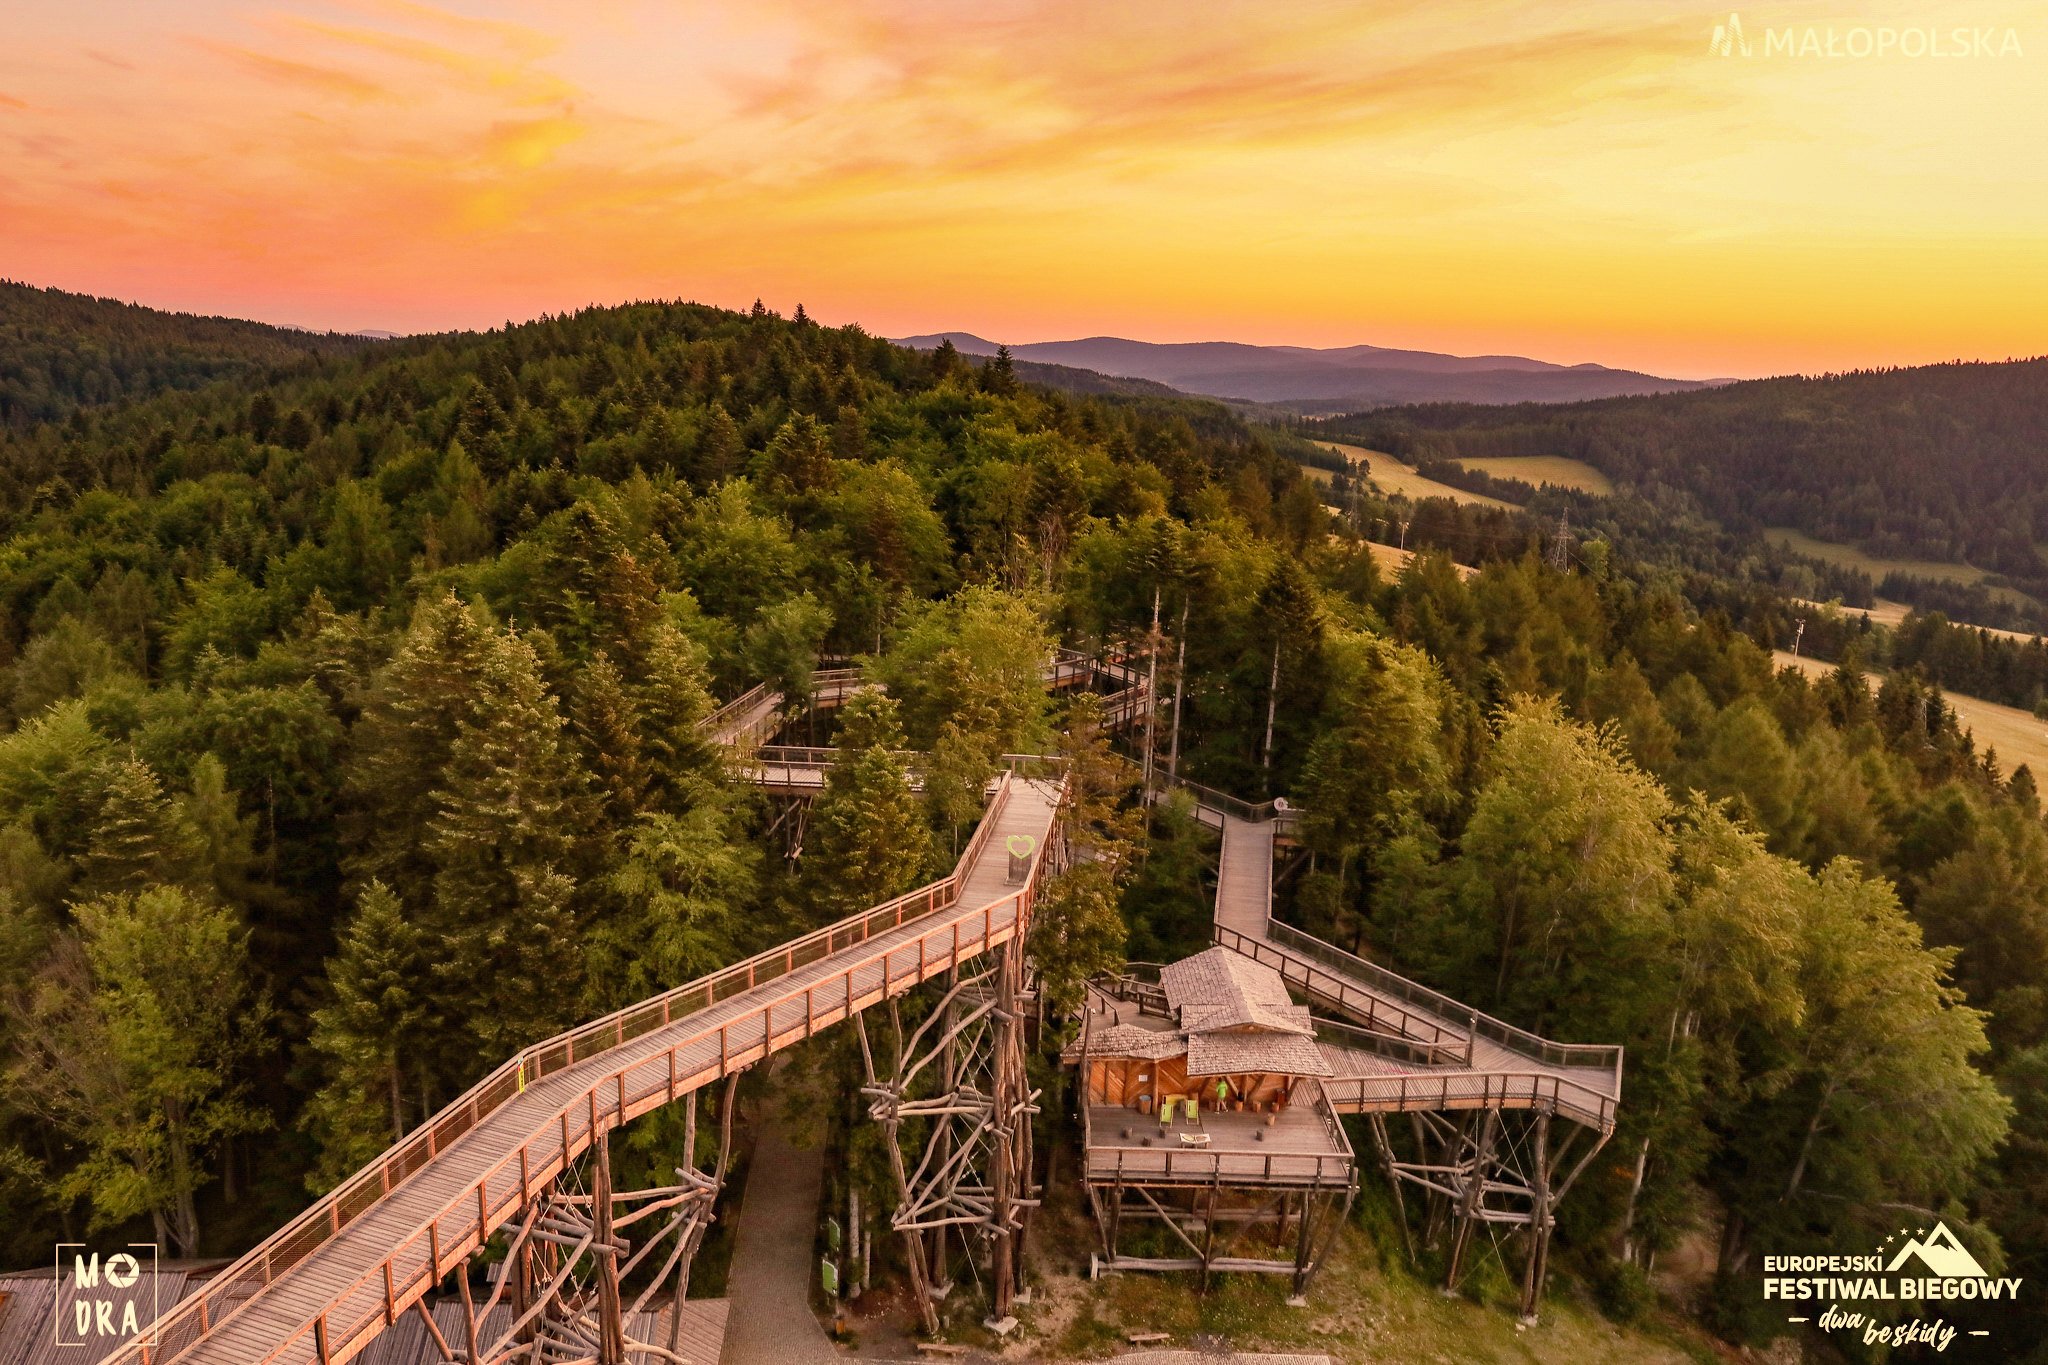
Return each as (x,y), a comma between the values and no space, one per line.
(59,350)
(1941,462)
(348,742)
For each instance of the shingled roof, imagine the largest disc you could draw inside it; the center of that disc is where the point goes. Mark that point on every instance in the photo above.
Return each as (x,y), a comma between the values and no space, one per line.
(1221,989)
(1130,1041)
(1238,1054)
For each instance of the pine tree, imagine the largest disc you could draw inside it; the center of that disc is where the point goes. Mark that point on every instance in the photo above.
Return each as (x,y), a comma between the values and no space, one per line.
(381,1007)
(868,839)
(607,723)
(140,837)
(416,706)
(503,833)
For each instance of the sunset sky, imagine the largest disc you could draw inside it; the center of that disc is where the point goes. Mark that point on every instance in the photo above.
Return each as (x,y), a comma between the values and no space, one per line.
(1575,181)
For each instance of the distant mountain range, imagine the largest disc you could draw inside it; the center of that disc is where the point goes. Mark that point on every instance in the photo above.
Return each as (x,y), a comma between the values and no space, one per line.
(1338,379)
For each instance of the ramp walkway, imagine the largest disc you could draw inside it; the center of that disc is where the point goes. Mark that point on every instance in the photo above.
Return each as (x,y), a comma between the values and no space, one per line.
(323,1287)
(1417,1048)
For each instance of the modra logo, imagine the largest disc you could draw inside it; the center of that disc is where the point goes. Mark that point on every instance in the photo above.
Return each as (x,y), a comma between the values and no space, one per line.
(1912,1265)
(1729,38)
(104,1300)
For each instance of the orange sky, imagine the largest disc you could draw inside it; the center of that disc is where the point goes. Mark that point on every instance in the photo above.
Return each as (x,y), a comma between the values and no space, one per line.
(1576,181)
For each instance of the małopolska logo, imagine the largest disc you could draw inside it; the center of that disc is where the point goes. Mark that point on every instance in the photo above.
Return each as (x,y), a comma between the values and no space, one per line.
(1862,41)
(1951,1273)
(102,1301)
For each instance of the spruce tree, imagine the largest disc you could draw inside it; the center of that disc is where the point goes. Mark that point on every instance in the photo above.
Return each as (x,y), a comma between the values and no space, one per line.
(140,837)
(718,448)
(607,723)
(416,706)
(381,1006)
(503,834)
(868,838)
(673,696)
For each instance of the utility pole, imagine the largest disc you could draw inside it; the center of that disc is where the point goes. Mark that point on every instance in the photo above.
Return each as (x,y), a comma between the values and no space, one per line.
(1272,703)
(1561,543)
(1797,636)
(1180,677)
(1152,693)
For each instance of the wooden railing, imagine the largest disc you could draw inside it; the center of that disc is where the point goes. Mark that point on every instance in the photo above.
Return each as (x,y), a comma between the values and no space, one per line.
(1393,1046)
(1590,1056)
(1208,1165)
(1433,1090)
(610,1097)
(1376,1012)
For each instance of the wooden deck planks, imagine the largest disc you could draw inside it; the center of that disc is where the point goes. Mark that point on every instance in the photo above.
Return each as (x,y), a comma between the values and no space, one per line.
(757,1020)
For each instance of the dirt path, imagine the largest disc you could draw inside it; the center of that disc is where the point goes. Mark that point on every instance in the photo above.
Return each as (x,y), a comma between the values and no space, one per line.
(772,1267)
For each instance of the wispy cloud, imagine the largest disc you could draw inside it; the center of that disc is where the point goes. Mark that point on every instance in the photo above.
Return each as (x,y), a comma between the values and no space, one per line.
(1470,174)
(313,77)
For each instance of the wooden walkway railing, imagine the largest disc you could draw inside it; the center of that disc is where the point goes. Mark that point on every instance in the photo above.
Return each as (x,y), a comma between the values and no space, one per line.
(571,1088)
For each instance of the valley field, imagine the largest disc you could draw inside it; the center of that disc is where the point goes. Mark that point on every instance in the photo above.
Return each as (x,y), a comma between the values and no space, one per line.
(1537,470)
(1877,566)
(2018,736)
(1396,477)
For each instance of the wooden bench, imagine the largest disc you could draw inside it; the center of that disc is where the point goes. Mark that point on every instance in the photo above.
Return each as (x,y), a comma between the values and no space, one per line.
(1147,1338)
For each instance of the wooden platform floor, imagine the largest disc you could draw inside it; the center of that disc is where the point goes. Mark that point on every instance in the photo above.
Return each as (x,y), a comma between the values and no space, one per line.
(1248,1151)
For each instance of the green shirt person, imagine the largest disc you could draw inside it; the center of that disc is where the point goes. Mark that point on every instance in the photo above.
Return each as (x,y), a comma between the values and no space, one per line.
(1222,1090)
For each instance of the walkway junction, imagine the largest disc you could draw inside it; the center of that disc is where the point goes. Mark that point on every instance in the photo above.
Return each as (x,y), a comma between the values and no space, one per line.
(516,1164)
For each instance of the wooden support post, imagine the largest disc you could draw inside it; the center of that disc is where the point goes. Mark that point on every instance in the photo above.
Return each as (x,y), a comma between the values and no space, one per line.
(1209,1223)
(611,1345)
(1537,1266)
(1383,1144)
(469,1323)
(1304,1235)
(1474,1193)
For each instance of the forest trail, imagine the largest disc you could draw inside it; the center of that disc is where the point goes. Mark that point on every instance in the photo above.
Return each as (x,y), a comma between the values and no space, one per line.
(772,1266)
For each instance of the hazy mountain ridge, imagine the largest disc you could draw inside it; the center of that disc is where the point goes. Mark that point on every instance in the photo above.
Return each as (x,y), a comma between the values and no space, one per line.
(1326,380)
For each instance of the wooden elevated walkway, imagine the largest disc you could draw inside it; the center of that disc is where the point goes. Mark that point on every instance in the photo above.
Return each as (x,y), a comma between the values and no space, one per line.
(342,1272)
(1418,1048)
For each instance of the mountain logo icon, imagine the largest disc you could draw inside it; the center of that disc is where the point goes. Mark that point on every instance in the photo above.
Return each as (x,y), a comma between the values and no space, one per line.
(1942,1254)
(1729,38)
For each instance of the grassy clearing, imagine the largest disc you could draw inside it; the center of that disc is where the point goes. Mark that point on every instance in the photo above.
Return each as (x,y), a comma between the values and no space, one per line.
(1849,557)
(1885,612)
(1361,1310)
(1395,477)
(1537,470)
